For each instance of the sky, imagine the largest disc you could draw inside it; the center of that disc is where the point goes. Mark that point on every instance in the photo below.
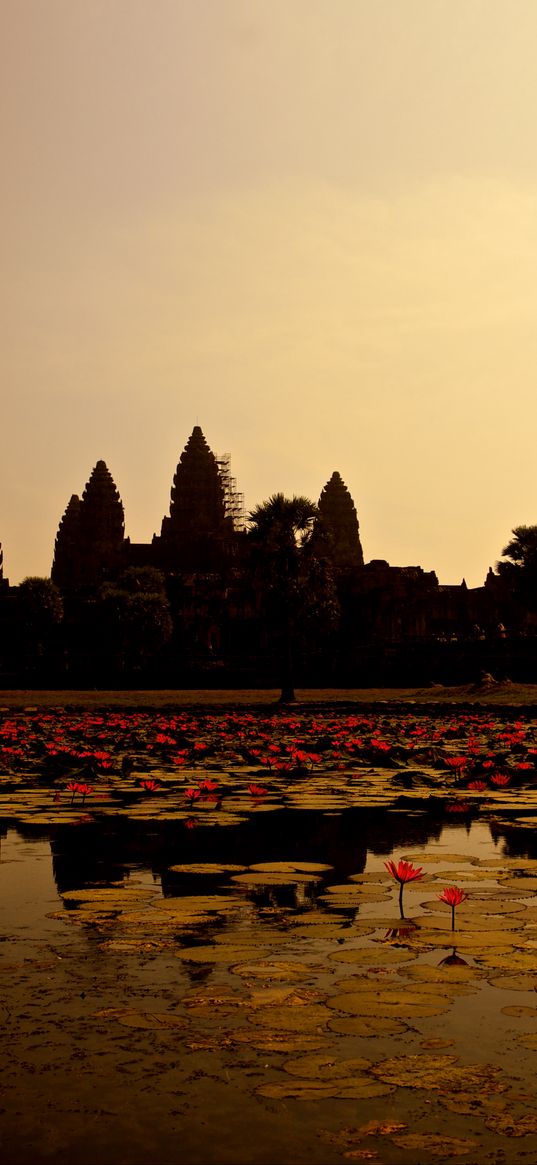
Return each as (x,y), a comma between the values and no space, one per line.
(309,226)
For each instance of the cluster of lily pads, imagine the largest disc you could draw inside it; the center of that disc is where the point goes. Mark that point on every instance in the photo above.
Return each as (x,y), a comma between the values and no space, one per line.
(244,760)
(300,989)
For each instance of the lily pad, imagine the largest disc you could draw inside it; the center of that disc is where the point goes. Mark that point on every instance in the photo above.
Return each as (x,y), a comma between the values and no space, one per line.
(378,956)
(213,953)
(390,1002)
(323,1066)
(367,1025)
(274,969)
(295,1019)
(290,867)
(437,1145)
(515,982)
(132,1017)
(206,868)
(343,1088)
(510,1126)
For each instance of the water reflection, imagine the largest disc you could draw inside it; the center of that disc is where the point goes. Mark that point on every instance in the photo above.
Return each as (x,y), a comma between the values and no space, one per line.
(101,851)
(108,850)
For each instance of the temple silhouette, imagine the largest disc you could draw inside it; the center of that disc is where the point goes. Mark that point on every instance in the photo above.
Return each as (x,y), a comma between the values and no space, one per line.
(396,624)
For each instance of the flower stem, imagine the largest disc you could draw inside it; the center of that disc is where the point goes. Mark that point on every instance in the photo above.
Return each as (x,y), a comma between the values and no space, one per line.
(401,888)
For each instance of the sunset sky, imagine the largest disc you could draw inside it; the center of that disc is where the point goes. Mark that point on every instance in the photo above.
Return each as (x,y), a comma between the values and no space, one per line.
(309,226)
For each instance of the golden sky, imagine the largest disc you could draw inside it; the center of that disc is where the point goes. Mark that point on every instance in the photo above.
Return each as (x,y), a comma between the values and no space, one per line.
(309,226)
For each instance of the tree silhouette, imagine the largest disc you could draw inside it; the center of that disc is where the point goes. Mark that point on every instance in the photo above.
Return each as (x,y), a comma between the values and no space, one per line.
(519,572)
(295,583)
(40,610)
(137,615)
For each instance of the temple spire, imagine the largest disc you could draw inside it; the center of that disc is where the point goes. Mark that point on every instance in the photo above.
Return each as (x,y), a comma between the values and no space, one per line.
(90,541)
(339,521)
(199,528)
(66,565)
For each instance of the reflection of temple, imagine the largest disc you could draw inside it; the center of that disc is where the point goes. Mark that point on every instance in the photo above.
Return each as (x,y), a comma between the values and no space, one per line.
(203,553)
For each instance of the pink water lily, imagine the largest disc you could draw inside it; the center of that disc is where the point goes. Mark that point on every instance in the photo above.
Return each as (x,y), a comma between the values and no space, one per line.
(403,872)
(453,897)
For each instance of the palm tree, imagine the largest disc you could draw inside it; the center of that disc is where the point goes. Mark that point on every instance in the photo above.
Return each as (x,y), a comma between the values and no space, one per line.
(519,573)
(280,530)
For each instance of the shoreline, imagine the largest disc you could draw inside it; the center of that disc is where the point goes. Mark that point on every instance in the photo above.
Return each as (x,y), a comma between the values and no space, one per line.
(502,695)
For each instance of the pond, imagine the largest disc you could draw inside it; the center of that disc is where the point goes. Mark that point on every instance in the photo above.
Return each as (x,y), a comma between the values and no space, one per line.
(250,994)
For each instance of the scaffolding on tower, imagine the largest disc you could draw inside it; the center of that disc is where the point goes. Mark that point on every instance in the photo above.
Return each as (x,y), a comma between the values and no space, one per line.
(233,499)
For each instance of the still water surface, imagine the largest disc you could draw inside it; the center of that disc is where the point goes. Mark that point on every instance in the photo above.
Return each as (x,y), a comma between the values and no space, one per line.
(148,1030)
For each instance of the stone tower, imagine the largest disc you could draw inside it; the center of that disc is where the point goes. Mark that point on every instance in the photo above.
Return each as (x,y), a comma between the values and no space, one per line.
(198,534)
(339,521)
(4,584)
(90,544)
(66,565)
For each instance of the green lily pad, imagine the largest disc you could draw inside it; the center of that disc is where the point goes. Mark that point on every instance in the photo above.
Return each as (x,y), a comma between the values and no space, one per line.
(274,969)
(295,1019)
(206,868)
(515,982)
(341,1088)
(390,1002)
(323,1066)
(378,956)
(508,1125)
(367,1025)
(213,953)
(436,1145)
(290,867)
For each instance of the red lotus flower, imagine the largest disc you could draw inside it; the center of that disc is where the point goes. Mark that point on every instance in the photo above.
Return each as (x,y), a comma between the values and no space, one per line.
(149,786)
(500,780)
(478,786)
(192,794)
(257,790)
(457,763)
(403,872)
(85,790)
(453,897)
(207,785)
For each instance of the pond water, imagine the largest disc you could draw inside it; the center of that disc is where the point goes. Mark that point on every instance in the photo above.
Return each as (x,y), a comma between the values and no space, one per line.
(250,994)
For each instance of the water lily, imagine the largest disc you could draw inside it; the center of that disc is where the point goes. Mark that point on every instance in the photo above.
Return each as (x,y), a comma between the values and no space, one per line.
(257,790)
(73,787)
(85,790)
(453,897)
(403,872)
(149,786)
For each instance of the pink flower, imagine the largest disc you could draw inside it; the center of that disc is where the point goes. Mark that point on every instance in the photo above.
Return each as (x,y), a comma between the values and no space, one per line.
(403,872)
(453,897)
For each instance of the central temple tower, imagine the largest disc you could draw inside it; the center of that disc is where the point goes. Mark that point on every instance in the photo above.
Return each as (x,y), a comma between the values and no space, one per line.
(199,533)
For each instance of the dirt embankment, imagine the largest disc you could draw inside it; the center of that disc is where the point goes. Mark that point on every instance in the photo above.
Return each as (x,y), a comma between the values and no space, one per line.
(488,693)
